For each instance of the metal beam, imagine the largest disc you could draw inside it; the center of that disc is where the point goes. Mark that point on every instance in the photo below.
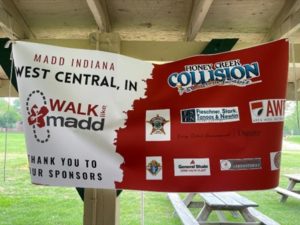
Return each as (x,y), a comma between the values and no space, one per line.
(199,11)
(100,13)
(287,21)
(12,21)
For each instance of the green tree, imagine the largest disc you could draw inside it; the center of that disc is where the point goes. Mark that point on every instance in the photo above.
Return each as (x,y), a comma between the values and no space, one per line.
(292,117)
(17,105)
(9,114)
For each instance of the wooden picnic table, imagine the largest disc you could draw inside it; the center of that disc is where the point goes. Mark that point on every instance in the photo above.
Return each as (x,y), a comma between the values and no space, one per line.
(290,191)
(225,201)
(219,202)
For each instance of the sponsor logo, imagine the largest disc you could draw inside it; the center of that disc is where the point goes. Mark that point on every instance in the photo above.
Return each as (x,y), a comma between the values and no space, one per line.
(37,116)
(154,168)
(240,164)
(210,115)
(275,158)
(37,111)
(267,110)
(192,167)
(158,125)
(225,73)
(45,113)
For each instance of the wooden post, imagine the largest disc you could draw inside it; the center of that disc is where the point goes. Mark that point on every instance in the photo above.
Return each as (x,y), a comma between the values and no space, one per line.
(101,206)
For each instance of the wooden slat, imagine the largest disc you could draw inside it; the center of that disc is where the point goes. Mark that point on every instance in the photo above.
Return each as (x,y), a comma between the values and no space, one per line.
(225,197)
(295,177)
(242,200)
(12,21)
(227,200)
(229,223)
(188,198)
(199,10)
(285,192)
(204,213)
(287,21)
(247,215)
(182,211)
(99,11)
(261,217)
(212,200)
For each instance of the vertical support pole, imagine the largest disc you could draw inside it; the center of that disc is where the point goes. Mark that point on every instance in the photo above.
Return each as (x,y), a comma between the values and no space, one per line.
(101,206)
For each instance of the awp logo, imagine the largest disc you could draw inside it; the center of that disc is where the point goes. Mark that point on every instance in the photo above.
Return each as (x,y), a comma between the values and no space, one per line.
(257,108)
(267,110)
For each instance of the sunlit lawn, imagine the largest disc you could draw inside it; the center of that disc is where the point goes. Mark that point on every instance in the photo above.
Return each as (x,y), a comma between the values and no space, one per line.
(22,203)
(294,139)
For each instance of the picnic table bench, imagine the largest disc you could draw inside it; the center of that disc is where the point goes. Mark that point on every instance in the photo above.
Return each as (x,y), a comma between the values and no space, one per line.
(290,191)
(219,202)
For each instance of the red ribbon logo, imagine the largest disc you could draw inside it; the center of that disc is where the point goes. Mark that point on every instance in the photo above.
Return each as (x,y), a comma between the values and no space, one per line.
(37,116)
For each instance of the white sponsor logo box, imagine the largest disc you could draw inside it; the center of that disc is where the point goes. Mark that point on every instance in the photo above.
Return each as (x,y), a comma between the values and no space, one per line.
(275,158)
(154,168)
(158,126)
(192,167)
(210,115)
(240,164)
(267,110)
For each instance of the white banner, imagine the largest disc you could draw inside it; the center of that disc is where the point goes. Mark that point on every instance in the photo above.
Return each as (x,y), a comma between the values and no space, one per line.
(102,120)
(73,103)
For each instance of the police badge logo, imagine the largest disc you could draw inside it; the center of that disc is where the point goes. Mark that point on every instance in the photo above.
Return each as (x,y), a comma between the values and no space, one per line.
(158,123)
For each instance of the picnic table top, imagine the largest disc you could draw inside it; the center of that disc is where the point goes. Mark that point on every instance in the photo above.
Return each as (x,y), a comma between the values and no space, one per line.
(216,201)
(227,200)
(295,177)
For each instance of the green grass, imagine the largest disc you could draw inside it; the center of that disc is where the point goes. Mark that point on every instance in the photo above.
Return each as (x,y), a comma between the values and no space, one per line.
(294,139)
(22,203)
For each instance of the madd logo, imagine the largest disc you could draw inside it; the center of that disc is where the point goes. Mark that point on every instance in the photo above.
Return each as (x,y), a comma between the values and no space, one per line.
(46,113)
